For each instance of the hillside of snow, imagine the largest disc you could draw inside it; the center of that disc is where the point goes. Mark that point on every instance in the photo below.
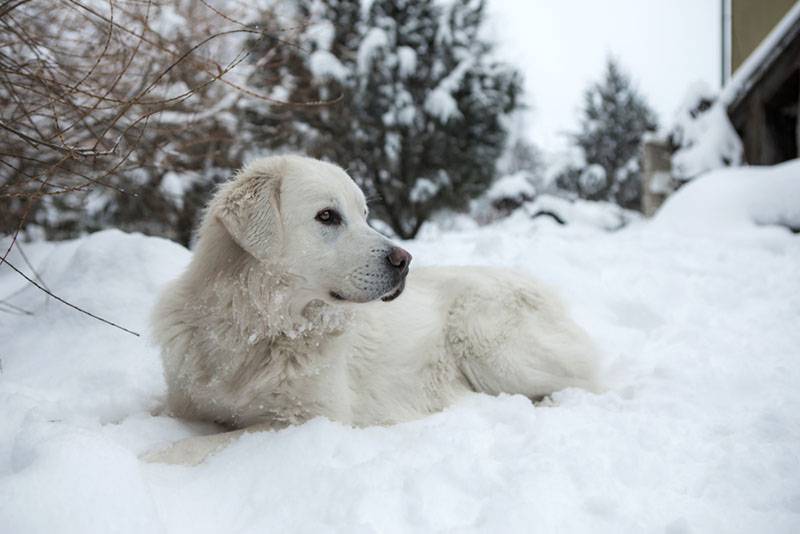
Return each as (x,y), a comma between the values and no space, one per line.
(697,314)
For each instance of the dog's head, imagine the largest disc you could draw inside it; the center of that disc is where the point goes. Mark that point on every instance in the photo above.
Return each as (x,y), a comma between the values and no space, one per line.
(309,218)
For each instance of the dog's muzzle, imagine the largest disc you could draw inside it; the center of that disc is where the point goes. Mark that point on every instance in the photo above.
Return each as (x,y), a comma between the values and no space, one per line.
(399,259)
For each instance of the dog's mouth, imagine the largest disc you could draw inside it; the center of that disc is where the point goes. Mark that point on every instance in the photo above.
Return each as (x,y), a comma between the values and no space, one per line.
(391,295)
(396,292)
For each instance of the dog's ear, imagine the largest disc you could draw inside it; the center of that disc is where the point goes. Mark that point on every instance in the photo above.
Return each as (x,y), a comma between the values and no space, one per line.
(250,212)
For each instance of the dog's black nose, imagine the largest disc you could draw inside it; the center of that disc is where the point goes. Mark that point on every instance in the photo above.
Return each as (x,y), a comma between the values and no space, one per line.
(399,259)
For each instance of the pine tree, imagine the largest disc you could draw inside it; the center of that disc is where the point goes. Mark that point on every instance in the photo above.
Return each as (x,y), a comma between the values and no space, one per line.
(615,118)
(419,102)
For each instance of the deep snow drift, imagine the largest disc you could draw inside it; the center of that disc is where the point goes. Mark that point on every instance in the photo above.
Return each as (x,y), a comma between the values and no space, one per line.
(699,431)
(733,200)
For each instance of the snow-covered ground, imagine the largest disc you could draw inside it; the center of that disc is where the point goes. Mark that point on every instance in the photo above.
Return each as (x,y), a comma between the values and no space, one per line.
(699,430)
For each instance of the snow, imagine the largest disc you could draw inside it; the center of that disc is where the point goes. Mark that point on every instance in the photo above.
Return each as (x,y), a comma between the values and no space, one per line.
(424,189)
(661,183)
(321,34)
(699,430)
(168,23)
(375,40)
(735,200)
(593,178)
(407,61)
(177,117)
(516,186)
(705,138)
(174,185)
(325,65)
(440,102)
(599,215)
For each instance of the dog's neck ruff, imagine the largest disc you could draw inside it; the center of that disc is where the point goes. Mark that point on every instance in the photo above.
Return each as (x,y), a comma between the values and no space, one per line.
(264,306)
(259,298)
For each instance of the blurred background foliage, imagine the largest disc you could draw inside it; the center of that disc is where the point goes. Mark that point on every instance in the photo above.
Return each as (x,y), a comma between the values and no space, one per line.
(128,113)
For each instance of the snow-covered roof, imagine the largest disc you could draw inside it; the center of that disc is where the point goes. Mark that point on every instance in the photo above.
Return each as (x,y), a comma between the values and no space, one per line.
(762,57)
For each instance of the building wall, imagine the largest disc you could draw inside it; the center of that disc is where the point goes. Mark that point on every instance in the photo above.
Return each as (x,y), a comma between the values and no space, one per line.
(751,21)
(767,115)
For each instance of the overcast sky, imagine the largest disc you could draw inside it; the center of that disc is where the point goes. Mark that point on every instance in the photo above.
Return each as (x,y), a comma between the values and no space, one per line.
(562,45)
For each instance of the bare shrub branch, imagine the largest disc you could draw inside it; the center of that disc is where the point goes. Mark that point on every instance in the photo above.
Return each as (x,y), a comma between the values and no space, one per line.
(101,99)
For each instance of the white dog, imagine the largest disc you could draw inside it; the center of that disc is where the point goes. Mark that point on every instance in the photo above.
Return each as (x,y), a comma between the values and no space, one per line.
(283,315)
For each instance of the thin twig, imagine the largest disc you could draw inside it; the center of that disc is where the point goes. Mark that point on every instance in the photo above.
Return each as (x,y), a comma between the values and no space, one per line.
(72,151)
(73,306)
(30,265)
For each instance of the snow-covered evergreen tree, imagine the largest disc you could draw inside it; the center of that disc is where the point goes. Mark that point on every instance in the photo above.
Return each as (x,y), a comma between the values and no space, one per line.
(615,117)
(412,101)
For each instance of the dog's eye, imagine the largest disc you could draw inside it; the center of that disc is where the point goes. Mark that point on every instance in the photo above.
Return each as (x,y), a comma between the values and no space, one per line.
(329,217)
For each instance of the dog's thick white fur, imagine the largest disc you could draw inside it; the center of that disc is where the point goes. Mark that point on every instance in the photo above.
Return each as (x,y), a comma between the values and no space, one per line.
(280,317)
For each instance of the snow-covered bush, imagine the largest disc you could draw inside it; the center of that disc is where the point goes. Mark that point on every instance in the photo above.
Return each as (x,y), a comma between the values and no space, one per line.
(516,196)
(412,101)
(703,137)
(593,179)
(597,214)
(615,118)
(510,192)
(118,113)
